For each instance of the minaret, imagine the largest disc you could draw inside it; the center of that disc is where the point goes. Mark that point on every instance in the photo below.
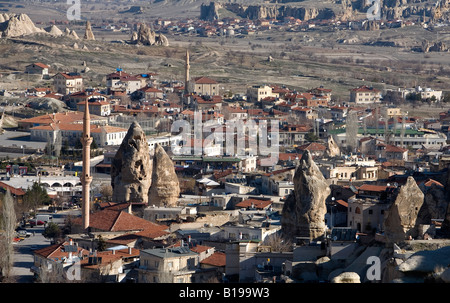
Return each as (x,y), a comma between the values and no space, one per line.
(86,179)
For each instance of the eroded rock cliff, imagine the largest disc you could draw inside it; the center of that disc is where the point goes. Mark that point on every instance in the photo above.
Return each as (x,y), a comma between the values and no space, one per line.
(303,213)
(400,219)
(131,168)
(165,187)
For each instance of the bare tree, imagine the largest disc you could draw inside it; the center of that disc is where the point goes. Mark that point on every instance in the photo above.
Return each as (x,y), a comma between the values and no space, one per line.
(278,243)
(9,225)
(352,130)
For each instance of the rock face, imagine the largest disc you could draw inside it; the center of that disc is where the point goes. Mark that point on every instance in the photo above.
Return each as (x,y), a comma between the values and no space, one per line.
(54,31)
(147,36)
(434,47)
(15,25)
(332,148)
(71,34)
(426,261)
(400,219)
(342,10)
(347,277)
(88,34)
(131,168)
(304,211)
(165,187)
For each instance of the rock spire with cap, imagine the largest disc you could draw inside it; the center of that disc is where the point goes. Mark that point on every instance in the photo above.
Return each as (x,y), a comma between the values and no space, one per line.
(165,187)
(131,168)
(304,211)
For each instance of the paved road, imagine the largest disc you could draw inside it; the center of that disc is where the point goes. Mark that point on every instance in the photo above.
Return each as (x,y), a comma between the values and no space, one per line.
(23,255)
(23,251)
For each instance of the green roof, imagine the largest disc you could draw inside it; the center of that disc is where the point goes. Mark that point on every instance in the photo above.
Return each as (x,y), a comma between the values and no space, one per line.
(373,131)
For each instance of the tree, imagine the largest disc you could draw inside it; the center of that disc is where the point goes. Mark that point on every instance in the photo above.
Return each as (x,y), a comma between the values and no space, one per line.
(101,244)
(107,191)
(36,196)
(278,243)
(9,221)
(52,231)
(311,137)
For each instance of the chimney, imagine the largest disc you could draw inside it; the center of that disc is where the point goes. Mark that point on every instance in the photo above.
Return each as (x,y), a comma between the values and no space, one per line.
(129,250)
(113,251)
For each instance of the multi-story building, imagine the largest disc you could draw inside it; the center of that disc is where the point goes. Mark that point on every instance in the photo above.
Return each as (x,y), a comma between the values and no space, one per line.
(205,86)
(256,93)
(103,135)
(97,106)
(168,265)
(37,69)
(121,83)
(67,83)
(365,94)
(367,208)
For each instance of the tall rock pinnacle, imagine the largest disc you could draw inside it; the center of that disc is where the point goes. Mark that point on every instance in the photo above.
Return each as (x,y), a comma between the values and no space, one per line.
(131,168)
(304,211)
(88,34)
(400,219)
(165,187)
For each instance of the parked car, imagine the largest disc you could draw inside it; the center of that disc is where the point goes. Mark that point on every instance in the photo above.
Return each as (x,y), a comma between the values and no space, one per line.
(36,222)
(24,233)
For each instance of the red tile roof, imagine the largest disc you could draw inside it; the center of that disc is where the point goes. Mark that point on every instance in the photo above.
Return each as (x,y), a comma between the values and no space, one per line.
(216,259)
(374,188)
(41,65)
(313,146)
(204,80)
(365,88)
(111,220)
(14,191)
(57,251)
(259,204)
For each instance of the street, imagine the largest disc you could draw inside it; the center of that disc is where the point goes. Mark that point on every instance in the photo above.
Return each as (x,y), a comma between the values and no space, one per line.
(23,250)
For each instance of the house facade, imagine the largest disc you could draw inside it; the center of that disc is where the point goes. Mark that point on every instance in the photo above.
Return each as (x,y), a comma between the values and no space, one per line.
(67,83)
(365,94)
(204,86)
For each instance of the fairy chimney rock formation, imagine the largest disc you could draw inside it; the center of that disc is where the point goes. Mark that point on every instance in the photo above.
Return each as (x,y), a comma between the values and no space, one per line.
(400,219)
(88,34)
(146,36)
(165,187)
(332,149)
(15,25)
(131,168)
(304,211)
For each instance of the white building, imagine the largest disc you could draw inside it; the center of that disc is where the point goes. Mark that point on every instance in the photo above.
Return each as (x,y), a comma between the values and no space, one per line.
(55,185)
(103,134)
(67,83)
(122,82)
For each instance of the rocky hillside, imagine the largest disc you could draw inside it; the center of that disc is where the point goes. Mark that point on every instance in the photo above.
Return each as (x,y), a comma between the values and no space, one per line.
(327,9)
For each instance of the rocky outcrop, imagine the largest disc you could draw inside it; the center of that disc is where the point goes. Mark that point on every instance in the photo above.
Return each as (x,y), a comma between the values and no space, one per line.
(438,46)
(16,25)
(332,149)
(303,213)
(342,10)
(210,12)
(88,34)
(131,168)
(263,11)
(54,31)
(400,219)
(165,187)
(347,277)
(146,36)
(71,34)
